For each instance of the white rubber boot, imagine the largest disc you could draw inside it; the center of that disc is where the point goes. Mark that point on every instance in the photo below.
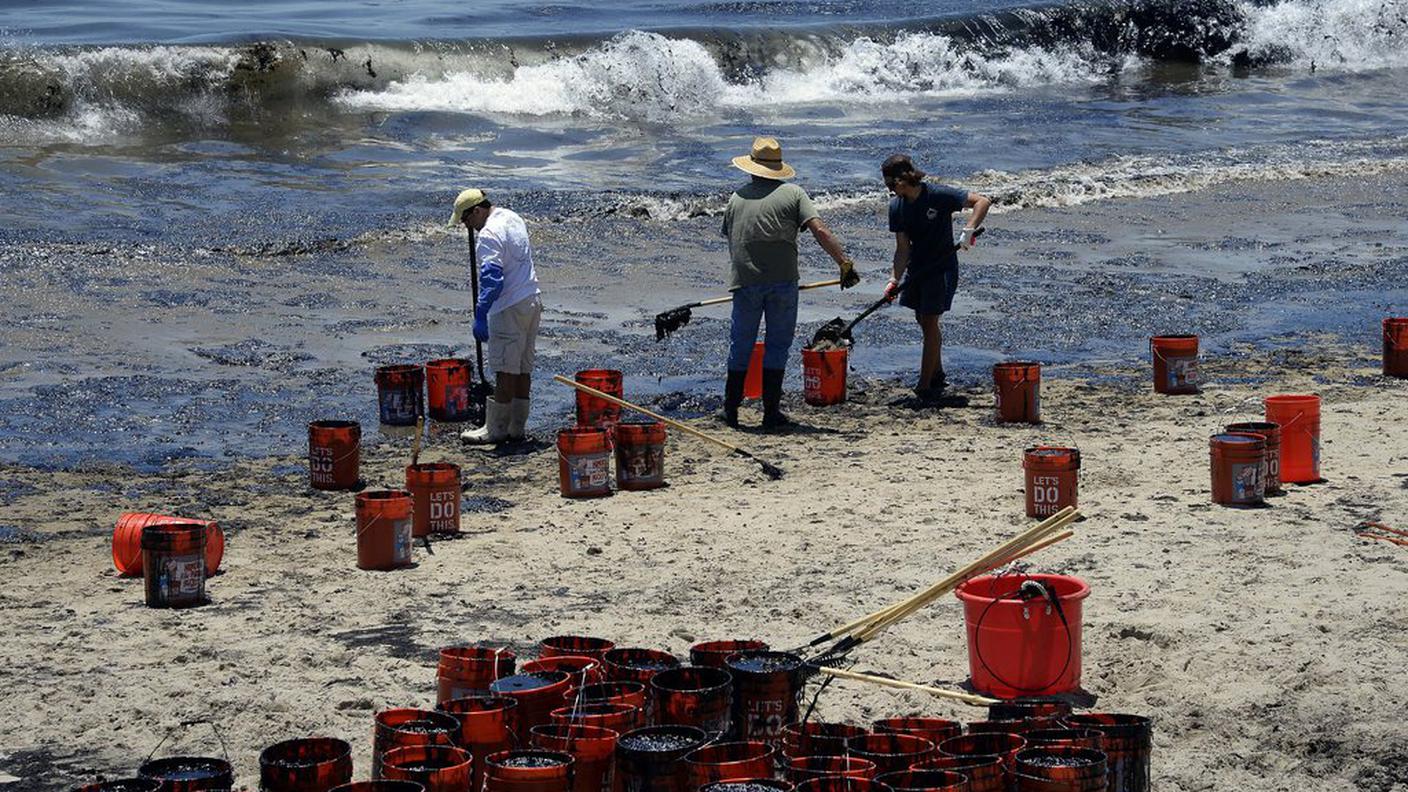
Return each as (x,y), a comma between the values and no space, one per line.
(495,429)
(518,421)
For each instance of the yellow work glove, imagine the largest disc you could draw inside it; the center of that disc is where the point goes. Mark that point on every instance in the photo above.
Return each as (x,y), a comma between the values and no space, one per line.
(849,276)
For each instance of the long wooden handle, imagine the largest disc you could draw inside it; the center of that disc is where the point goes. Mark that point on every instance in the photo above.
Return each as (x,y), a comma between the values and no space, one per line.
(966,698)
(623,403)
(803,287)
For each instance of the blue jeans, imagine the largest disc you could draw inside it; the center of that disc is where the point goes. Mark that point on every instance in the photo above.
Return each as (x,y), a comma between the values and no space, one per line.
(777,302)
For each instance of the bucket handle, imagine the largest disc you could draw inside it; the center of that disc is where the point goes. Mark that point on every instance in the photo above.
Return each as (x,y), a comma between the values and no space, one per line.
(186,724)
(1154,351)
(1053,603)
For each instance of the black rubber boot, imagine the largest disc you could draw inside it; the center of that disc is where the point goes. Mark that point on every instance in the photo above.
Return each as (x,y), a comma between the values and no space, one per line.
(733,396)
(773,418)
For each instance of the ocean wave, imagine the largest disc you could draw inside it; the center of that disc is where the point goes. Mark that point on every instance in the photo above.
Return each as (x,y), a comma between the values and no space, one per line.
(654,76)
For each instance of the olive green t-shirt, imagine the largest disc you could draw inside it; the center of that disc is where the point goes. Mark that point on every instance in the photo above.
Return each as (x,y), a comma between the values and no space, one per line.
(761,223)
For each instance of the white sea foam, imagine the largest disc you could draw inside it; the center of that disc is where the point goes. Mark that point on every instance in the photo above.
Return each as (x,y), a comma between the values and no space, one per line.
(1339,35)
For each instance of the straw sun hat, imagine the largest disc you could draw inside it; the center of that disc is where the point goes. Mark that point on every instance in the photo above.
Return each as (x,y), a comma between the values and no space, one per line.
(765,160)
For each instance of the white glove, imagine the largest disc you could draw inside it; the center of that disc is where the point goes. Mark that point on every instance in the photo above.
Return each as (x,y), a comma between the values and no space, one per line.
(965,237)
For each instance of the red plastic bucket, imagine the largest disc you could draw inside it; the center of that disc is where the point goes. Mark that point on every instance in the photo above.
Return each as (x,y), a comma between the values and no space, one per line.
(189,773)
(1011,726)
(930,780)
(594,412)
(714,653)
(1396,347)
(582,670)
(1175,363)
(652,759)
(593,751)
(584,462)
(1299,417)
(1065,738)
(640,455)
(891,752)
(1053,479)
(729,761)
(1023,647)
(633,664)
(575,645)
(384,529)
(1271,433)
(470,670)
(1003,747)
(824,376)
(801,768)
(817,738)
(1127,741)
(694,696)
(632,694)
(614,715)
(1049,769)
(435,487)
(406,726)
(841,784)
(935,730)
(528,771)
(438,768)
(127,541)
(486,727)
(334,454)
(747,785)
(766,689)
(1238,465)
(1029,708)
(447,384)
(399,394)
(173,564)
(985,773)
(753,380)
(314,764)
(537,696)
(1018,391)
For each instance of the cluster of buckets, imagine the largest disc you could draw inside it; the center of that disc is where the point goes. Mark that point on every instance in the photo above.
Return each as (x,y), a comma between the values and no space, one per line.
(588,716)
(586,451)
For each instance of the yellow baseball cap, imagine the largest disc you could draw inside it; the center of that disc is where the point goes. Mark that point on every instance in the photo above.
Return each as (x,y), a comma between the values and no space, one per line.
(464,202)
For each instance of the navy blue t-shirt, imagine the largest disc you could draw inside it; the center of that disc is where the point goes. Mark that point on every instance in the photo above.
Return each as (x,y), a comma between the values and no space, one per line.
(928,220)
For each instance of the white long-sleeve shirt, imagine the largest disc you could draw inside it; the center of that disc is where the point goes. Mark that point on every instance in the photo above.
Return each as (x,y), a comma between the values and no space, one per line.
(503,241)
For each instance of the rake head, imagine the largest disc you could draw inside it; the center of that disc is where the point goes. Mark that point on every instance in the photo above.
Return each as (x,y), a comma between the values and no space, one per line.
(667,322)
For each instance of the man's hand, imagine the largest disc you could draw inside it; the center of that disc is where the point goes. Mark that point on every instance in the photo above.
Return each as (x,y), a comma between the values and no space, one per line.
(481,326)
(892,290)
(967,238)
(849,276)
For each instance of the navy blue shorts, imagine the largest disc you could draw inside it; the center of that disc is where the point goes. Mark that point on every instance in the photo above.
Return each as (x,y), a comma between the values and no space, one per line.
(931,293)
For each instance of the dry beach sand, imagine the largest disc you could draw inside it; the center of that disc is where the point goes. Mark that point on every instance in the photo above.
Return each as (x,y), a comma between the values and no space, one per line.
(1267,644)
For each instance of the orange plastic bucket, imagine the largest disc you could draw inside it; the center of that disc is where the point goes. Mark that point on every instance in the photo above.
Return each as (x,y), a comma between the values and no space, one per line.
(817,738)
(930,780)
(985,773)
(575,645)
(935,730)
(537,694)
(767,686)
(1060,769)
(469,670)
(173,564)
(728,761)
(398,391)
(528,771)
(1053,479)
(435,487)
(753,380)
(313,764)
(1127,741)
(582,670)
(714,653)
(597,412)
(189,773)
(486,727)
(824,376)
(127,541)
(584,462)
(1018,390)
(1271,433)
(694,696)
(407,726)
(334,454)
(1023,647)
(802,768)
(891,751)
(1299,417)
(640,455)
(1238,468)
(447,384)
(384,529)
(1396,347)
(438,768)
(592,748)
(1175,363)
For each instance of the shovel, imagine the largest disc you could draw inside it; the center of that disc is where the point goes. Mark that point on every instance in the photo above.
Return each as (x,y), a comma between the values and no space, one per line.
(480,391)
(837,333)
(667,322)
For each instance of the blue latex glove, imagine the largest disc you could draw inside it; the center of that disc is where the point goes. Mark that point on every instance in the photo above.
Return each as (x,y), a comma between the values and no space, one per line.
(491,284)
(481,326)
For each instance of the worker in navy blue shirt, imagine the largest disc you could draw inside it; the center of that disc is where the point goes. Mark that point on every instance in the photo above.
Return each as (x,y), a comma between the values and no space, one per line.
(921,216)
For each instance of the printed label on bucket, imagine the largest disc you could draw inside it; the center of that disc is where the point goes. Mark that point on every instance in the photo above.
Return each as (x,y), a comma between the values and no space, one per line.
(1246,482)
(397,408)
(456,400)
(445,511)
(765,717)
(643,464)
(589,472)
(401,538)
(1182,371)
(184,575)
(811,383)
(320,465)
(1046,494)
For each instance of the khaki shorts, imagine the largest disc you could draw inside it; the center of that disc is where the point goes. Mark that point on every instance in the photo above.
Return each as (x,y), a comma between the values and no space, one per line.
(513,336)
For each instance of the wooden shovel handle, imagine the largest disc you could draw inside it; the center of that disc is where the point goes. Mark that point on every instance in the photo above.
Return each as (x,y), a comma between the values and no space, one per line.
(803,287)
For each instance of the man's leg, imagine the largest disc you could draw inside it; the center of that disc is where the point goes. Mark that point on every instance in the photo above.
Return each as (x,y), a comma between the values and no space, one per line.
(743,334)
(781,307)
(931,369)
(529,320)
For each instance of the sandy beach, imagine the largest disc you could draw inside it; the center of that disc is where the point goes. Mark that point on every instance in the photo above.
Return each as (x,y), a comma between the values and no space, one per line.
(1265,643)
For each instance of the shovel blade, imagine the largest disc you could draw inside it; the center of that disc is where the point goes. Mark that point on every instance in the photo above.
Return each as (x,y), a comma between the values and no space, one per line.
(833,333)
(669,321)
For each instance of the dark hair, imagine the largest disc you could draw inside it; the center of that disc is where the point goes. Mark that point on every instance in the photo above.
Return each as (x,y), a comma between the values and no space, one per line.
(485,203)
(900,168)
